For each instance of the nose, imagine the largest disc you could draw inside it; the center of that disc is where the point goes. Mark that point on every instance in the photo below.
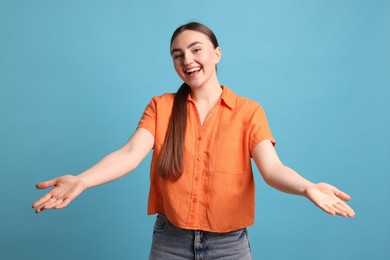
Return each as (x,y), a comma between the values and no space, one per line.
(188,59)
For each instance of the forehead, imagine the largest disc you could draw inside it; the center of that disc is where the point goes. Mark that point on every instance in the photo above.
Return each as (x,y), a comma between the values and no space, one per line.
(187,37)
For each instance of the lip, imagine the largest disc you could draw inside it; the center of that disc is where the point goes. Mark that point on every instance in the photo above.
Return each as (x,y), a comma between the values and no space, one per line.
(192,72)
(192,69)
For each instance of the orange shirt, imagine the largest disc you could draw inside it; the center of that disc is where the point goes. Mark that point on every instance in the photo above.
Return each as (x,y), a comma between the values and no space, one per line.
(216,191)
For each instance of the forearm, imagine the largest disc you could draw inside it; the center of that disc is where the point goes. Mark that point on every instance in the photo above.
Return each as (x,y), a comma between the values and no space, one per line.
(120,162)
(109,168)
(286,179)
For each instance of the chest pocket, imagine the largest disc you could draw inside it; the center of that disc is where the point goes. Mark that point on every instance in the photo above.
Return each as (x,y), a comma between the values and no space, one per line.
(226,153)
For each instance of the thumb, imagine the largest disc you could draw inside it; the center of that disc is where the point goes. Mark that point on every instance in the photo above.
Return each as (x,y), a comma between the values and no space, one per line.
(342,195)
(46,184)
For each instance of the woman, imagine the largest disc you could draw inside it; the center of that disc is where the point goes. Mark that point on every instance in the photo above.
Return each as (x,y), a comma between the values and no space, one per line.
(203,138)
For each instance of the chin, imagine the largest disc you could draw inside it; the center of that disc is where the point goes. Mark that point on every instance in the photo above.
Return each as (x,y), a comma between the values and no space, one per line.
(194,85)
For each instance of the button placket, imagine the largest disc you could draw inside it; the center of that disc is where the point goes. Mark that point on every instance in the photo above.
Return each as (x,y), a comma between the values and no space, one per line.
(199,183)
(195,198)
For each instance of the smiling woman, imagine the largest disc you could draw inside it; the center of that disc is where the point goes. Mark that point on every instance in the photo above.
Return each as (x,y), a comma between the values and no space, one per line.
(201,182)
(195,58)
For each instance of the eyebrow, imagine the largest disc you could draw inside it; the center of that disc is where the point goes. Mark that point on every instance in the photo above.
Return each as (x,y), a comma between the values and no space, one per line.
(189,46)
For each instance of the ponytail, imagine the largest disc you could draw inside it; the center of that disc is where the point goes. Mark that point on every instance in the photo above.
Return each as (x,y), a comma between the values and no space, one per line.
(170,164)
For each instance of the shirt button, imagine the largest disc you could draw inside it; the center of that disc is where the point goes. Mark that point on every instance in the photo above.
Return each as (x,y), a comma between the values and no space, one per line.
(194,200)
(199,138)
(198,158)
(196,178)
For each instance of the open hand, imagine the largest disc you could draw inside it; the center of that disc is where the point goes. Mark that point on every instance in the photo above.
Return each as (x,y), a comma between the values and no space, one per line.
(66,188)
(329,199)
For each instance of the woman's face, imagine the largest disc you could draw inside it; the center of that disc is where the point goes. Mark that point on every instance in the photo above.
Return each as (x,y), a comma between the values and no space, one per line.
(194,58)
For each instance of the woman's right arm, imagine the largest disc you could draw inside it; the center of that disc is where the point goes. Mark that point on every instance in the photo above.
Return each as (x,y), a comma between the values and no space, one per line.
(111,167)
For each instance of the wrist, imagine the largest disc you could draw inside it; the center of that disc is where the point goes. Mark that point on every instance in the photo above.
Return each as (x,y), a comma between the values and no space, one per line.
(307,187)
(83,182)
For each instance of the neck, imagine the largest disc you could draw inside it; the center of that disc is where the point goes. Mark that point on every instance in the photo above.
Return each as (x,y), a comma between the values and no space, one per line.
(206,96)
(205,99)
(209,94)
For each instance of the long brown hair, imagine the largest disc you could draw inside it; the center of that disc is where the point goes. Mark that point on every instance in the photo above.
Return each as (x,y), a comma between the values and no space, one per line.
(170,164)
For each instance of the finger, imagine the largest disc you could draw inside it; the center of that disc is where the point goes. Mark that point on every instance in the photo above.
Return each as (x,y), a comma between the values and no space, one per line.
(340,210)
(46,184)
(63,204)
(45,205)
(346,208)
(39,209)
(342,195)
(48,205)
(327,209)
(42,200)
(351,213)
(55,204)
(51,203)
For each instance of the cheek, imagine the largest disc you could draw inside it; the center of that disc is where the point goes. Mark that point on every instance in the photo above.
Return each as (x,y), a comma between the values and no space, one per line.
(178,70)
(176,66)
(207,59)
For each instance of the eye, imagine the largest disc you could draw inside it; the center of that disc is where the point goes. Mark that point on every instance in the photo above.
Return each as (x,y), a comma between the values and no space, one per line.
(196,50)
(178,56)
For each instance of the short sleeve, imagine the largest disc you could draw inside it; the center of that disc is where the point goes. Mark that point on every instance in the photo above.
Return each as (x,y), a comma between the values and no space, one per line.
(148,119)
(259,129)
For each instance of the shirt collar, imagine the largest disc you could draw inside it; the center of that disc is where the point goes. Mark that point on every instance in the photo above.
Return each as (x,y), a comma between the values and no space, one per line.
(228,97)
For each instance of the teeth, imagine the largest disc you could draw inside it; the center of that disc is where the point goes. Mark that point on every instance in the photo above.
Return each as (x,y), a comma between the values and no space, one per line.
(192,70)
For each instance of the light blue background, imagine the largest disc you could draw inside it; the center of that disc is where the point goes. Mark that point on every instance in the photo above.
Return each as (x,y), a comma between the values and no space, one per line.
(75,77)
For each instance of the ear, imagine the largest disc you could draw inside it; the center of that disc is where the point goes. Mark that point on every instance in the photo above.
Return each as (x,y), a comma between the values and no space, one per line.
(218,54)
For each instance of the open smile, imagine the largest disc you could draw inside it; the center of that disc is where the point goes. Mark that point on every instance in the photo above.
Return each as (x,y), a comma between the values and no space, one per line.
(192,71)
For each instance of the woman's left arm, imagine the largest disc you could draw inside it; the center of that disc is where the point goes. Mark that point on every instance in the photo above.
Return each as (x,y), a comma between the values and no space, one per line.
(285,179)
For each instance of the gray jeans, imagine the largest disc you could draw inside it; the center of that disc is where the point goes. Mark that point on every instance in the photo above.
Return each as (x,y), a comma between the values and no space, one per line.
(171,243)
